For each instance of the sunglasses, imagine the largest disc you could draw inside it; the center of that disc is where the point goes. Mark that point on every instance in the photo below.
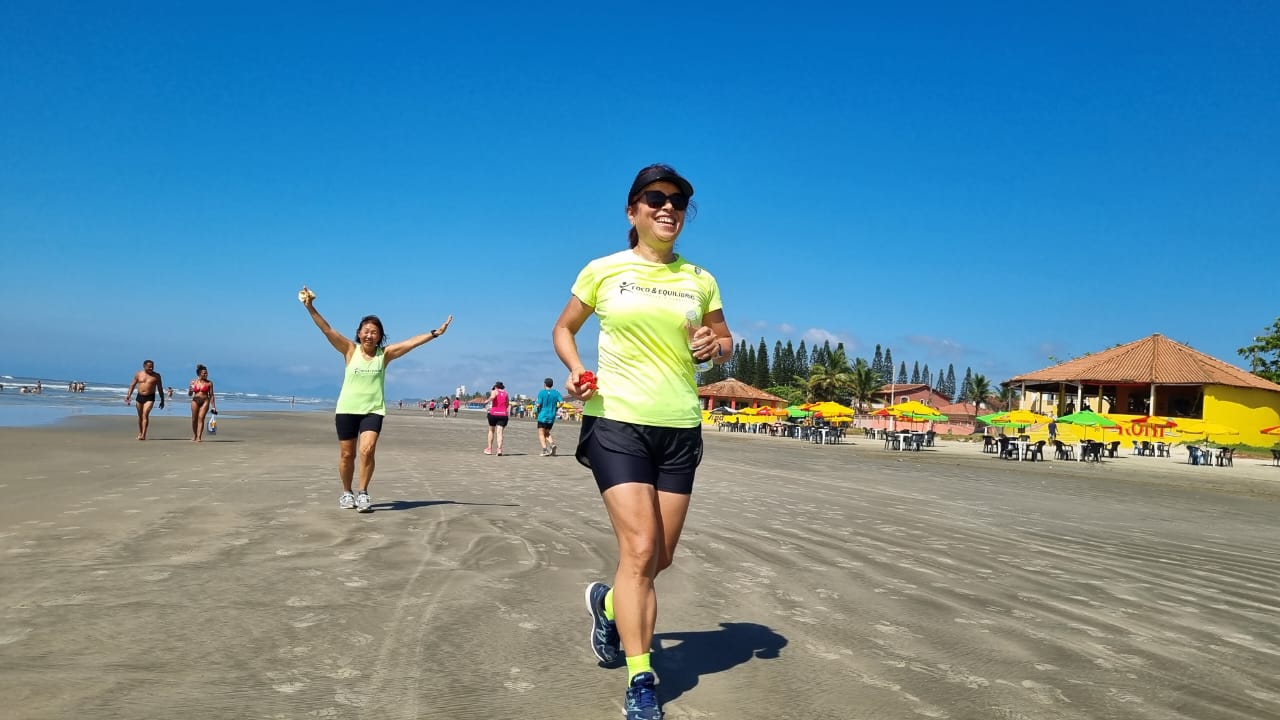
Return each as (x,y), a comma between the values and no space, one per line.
(656,199)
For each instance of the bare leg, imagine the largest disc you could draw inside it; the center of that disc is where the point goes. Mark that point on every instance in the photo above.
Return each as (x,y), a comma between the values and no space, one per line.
(204,412)
(144,419)
(195,421)
(488,443)
(498,435)
(647,525)
(346,462)
(368,446)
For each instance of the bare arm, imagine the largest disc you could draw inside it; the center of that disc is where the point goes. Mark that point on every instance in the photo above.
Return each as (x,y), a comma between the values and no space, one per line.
(160,389)
(713,341)
(132,385)
(564,339)
(395,350)
(213,402)
(336,339)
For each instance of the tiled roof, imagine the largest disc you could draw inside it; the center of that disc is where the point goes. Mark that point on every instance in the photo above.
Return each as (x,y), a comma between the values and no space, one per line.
(733,388)
(1151,360)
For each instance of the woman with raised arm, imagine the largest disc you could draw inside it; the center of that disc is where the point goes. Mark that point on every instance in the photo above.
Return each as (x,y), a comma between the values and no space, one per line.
(660,315)
(362,403)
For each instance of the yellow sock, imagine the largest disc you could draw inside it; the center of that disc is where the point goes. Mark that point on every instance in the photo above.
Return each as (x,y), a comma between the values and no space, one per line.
(637,664)
(608,605)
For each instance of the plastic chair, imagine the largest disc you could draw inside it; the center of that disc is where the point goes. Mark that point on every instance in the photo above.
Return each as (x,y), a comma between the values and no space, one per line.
(1113,448)
(1226,456)
(1035,451)
(1063,451)
(988,444)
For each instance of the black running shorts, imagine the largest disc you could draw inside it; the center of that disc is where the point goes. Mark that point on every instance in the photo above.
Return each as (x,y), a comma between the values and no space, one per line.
(620,452)
(350,426)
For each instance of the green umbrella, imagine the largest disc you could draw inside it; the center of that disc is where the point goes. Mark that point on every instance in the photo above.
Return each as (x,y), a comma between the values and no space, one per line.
(1087,418)
(924,417)
(795,412)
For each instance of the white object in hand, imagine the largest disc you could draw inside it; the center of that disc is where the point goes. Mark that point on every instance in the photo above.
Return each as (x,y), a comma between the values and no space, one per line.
(692,321)
(304,294)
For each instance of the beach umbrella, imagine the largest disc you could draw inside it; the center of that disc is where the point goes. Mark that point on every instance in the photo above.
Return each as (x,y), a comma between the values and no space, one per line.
(830,409)
(749,411)
(1154,421)
(1088,418)
(796,411)
(1200,427)
(724,410)
(1024,418)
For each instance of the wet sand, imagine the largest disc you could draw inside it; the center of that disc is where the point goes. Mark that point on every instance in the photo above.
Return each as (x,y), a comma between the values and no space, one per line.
(220,580)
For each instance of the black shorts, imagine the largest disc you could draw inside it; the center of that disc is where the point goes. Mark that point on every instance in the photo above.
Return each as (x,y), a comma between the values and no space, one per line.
(145,398)
(545,425)
(497,421)
(350,426)
(620,452)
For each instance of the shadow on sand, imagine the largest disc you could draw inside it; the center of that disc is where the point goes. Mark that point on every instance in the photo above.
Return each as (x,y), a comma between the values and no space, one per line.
(709,651)
(414,504)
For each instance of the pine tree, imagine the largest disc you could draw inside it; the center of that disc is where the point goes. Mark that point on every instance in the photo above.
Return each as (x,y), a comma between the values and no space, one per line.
(902,373)
(887,377)
(761,379)
(951,382)
(778,370)
(877,364)
(966,388)
(915,373)
(802,361)
(925,377)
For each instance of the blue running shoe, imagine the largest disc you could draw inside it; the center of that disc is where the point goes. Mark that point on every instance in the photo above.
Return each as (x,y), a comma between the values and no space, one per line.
(642,700)
(604,633)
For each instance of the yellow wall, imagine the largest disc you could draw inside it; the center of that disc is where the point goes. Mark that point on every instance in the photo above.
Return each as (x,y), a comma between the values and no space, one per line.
(1245,409)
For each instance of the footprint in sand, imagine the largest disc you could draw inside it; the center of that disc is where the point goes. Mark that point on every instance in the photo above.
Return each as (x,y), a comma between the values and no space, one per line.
(308,620)
(158,575)
(297,602)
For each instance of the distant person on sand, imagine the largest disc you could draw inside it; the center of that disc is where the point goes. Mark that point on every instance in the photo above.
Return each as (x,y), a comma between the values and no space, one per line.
(456,406)
(499,411)
(548,404)
(148,383)
(362,402)
(641,431)
(203,402)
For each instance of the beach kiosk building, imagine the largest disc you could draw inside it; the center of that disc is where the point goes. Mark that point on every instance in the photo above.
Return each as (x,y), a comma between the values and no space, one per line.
(1157,376)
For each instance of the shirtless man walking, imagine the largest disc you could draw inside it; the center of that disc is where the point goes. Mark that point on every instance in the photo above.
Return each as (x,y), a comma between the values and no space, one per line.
(149,385)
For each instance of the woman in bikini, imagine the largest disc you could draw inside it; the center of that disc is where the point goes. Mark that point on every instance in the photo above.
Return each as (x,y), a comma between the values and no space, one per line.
(202,401)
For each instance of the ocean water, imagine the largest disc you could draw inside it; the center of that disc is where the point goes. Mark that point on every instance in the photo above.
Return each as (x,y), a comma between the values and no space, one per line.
(56,403)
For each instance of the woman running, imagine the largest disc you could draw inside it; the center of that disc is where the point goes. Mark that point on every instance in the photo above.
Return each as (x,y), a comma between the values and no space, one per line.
(641,430)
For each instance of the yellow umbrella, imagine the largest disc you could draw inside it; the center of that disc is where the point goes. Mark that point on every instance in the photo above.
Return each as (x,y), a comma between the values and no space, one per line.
(1200,427)
(1022,418)
(830,409)
(748,411)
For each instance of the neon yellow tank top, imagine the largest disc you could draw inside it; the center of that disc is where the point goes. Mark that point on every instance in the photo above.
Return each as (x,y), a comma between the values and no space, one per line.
(363,385)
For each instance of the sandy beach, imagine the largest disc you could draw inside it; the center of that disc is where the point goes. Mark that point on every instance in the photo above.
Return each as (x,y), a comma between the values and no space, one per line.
(220,580)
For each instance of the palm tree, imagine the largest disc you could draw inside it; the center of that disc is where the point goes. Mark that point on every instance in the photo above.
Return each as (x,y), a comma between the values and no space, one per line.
(979,391)
(830,380)
(864,384)
(1008,396)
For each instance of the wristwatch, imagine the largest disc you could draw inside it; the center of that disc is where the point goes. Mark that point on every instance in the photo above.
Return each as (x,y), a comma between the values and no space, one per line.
(435,333)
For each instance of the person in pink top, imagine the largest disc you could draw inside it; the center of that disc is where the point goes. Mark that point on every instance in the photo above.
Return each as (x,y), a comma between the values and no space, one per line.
(456,404)
(498,413)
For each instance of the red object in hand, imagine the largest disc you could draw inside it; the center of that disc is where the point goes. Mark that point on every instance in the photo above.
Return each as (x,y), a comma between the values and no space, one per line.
(587,380)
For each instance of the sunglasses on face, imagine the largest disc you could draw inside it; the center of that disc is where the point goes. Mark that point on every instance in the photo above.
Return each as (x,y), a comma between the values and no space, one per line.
(656,199)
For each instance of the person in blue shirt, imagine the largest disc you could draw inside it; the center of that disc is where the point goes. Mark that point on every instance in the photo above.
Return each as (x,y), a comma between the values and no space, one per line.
(548,403)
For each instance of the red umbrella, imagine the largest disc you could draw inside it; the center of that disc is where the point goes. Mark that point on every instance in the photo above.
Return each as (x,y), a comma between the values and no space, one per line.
(1154,421)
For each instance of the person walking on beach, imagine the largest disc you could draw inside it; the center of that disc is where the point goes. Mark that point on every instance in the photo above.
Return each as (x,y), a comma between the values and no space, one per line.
(148,383)
(361,402)
(498,413)
(203,402)
(547,404)
(641,429)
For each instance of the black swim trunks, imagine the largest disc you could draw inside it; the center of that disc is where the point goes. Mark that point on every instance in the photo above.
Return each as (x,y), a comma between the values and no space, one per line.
(149,397)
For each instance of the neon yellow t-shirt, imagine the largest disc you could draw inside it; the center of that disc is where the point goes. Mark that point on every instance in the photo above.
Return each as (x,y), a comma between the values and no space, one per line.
(646,373)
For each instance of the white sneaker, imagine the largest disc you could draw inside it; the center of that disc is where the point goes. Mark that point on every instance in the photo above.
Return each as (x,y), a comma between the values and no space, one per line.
(347,501)
(362,502)
(553,449)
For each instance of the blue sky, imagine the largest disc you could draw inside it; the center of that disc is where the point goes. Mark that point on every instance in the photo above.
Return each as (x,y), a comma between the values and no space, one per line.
(986,185)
